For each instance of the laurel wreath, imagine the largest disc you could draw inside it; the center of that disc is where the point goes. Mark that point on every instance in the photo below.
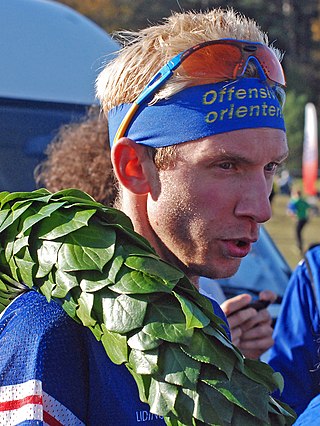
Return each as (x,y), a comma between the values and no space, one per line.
(145,312)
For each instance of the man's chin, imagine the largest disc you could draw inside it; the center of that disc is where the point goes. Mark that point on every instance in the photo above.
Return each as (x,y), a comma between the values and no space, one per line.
(221,271)
(226,275)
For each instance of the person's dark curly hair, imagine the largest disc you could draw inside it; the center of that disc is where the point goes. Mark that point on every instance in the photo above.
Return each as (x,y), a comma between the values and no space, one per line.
(79,157)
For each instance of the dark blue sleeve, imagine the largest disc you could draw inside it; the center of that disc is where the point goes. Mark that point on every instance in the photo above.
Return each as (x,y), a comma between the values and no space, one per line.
(43,363)
(63,369)
(296,342)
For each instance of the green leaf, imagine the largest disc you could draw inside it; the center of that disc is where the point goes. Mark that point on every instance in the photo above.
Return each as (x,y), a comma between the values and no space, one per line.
(261,373)
(3,286)
(192,294)
(97,331)
(14,215)
(4,214)
(14,271)
(278,379)
(221,336)
(11,282)
(87,249)
(43,212)
(3,195)
(71,194)
(92,281)
(246,394)
(283,409)
(64,283)
(143,341)
(182,414)
(115,263)
(19,244)
(164,321)
(131,249)
(143,383)
(218,413)
(70,306)
(177,368)
(210,351)
(47,288)
(9,289)
(47,253)
(26,266)
(63,222)
(155,267)
(134,238)
(194,316)
(115,345)
(85,302)
(144,362)
(107,216)
(39,194)
(122,314)
(5,301)
(131,282)
(241,418)
(10,237)
(162,397)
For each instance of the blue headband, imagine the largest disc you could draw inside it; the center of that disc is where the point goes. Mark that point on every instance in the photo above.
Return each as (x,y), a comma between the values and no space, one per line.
(200,111)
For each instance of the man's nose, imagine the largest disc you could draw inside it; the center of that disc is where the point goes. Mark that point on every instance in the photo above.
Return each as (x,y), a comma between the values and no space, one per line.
(254,200)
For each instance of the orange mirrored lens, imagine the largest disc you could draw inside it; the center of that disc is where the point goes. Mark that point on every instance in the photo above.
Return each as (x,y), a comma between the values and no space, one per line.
(216,61)
(223,60)
(270,64)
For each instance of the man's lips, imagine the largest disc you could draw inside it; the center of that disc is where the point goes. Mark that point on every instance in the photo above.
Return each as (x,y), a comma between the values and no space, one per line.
(237,247)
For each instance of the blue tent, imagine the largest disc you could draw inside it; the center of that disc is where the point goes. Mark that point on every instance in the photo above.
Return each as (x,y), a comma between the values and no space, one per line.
(50,58)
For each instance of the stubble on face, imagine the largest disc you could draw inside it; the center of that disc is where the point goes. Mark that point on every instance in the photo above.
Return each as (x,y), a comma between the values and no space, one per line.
(184,226)
(194,216)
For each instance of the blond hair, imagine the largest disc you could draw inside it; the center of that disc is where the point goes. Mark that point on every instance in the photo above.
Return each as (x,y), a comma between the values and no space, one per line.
(145,52)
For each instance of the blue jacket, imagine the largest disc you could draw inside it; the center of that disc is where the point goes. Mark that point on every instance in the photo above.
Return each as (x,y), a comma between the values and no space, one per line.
(296,349)
(54,370)
(311,415)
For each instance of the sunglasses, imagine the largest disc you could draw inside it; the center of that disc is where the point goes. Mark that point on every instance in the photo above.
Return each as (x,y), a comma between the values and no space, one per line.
(217,60)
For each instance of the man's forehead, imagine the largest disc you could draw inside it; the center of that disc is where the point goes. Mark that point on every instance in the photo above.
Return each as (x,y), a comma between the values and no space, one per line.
(244,143)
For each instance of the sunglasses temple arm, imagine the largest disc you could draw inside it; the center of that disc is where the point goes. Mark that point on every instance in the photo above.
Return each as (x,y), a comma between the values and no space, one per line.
(156,82)
(125,122)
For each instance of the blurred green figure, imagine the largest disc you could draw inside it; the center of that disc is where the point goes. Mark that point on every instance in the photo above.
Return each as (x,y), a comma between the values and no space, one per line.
(299,207)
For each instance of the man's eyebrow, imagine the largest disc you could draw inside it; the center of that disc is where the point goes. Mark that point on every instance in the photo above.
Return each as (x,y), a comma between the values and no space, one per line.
(224,156)
(245,160)
(284,156)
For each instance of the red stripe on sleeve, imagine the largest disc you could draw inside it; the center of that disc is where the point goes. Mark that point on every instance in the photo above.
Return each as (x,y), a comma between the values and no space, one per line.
(51,421)
(18,403)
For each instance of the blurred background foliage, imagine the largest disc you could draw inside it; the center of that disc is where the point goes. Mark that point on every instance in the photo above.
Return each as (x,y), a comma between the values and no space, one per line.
(293,25)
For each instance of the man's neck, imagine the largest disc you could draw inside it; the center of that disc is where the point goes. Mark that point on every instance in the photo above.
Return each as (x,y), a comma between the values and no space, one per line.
(135,207)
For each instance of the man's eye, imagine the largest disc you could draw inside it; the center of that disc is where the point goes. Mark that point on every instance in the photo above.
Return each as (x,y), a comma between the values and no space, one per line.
(226,166)
(271,167)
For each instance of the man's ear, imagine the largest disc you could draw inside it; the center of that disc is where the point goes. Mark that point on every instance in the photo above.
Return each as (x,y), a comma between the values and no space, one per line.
(131,162)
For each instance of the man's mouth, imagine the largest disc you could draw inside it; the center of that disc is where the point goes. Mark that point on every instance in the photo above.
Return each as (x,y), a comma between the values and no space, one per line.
(241,243)
(238,248)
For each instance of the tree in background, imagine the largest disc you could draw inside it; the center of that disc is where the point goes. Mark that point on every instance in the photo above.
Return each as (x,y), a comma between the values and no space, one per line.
(294,116)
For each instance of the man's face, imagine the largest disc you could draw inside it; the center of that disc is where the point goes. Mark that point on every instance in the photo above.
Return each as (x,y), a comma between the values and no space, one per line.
(211,202)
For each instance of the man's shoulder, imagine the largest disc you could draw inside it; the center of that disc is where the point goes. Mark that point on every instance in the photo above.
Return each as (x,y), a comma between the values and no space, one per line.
(307,272)
(32,313)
